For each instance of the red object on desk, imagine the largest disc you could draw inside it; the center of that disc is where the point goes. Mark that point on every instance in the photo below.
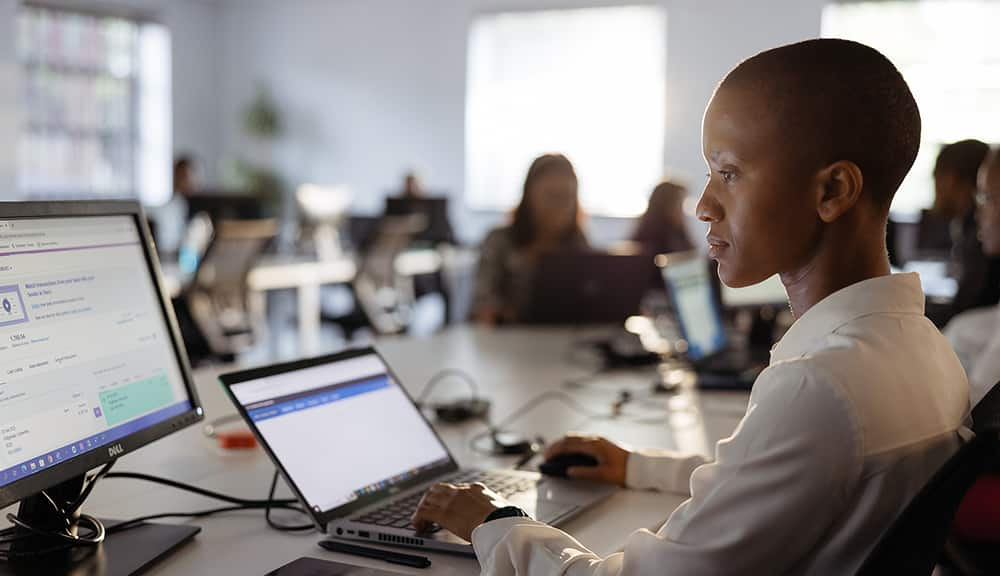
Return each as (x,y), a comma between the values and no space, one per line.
(240,440)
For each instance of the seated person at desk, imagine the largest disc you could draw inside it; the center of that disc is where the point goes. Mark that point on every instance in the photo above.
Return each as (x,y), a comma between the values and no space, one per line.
(172,218)
(413,200)
(661,229)
(546,220)
(975,334)
(978,275)
(976,337)
(806,145)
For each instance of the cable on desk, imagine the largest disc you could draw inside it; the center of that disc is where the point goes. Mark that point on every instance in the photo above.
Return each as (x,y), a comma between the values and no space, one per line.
(268,504)
(442,376)
(200,491)
(495,429)
(63,539)
(283,527)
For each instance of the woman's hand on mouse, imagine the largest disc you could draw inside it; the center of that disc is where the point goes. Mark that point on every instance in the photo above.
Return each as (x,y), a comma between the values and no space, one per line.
(612,459)
(458,508)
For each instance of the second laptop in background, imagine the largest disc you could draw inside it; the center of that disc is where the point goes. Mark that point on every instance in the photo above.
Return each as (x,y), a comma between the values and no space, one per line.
(718,361)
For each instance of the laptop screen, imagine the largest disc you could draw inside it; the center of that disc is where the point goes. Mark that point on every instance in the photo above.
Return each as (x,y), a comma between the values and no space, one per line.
(690,288)
(341,430)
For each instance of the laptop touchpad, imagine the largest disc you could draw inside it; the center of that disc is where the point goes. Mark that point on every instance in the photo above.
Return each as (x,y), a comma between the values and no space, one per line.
(542,510)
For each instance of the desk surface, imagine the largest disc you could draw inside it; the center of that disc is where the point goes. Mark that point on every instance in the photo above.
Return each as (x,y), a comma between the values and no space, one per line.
(509,366)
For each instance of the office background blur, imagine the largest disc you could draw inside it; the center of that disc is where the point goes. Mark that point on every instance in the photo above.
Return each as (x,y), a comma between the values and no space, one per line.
(97,99)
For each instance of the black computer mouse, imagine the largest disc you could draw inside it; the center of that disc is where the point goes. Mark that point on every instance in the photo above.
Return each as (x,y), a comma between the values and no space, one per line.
(557,465)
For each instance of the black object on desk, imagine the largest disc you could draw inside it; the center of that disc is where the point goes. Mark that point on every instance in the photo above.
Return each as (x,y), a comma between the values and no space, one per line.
(558,465)
(317,567)
(376,553)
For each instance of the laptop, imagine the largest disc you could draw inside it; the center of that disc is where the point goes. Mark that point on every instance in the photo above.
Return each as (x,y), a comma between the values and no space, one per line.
(588,287)
(716,361)
(359,454)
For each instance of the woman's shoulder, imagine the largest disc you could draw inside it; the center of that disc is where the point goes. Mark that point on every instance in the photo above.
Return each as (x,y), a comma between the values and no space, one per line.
(499,237)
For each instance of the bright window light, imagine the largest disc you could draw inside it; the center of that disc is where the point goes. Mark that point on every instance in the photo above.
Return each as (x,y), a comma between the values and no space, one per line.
(590,83)
(95,106)
(155,164)
(948,53)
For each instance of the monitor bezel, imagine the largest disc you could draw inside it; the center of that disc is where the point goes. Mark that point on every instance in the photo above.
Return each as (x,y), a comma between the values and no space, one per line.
(324,517)
(83,463)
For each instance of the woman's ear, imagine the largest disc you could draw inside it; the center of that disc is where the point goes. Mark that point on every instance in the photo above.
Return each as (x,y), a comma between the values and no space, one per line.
(839,189)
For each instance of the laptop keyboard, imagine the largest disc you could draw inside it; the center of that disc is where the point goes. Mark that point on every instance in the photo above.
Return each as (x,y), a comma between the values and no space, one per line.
(398,513)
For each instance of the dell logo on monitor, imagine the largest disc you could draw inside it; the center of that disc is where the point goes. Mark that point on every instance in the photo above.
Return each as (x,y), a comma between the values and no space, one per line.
(116,450)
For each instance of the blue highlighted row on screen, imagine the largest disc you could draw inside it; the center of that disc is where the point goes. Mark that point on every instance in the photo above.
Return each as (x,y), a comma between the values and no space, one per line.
(70,451)
(318,399)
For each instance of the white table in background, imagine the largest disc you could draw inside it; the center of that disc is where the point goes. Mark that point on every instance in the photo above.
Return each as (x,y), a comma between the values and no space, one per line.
(307,275)
(509,366)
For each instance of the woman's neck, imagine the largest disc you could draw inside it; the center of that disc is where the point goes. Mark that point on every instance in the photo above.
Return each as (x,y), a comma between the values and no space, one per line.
(837,263)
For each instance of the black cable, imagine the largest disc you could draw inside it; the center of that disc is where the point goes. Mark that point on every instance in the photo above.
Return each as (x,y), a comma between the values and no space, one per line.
(199,491)
(442,376)
(197,514)
(68,513)
(267,504)
(89,486)
(282,527)
(540,399)
(564,397)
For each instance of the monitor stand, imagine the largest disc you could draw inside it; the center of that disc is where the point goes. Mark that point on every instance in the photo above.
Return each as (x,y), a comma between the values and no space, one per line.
(121,554)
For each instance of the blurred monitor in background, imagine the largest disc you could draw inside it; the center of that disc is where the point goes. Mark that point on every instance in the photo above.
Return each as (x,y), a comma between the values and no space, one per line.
(437,228)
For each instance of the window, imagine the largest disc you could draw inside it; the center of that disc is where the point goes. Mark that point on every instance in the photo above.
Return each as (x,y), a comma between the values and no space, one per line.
(950,57)
(95,103)
(589,83)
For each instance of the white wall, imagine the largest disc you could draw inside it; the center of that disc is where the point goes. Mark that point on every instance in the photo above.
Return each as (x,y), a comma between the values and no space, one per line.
(370,88)
(193,25)
(8,98)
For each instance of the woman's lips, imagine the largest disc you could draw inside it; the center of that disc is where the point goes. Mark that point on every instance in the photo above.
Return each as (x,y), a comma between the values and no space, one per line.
(716,246)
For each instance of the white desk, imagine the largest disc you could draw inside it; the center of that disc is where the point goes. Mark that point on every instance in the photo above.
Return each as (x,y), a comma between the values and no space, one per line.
(307,275)
(510,367)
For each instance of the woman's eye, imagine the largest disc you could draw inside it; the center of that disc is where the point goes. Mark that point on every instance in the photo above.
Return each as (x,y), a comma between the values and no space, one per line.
(727,175)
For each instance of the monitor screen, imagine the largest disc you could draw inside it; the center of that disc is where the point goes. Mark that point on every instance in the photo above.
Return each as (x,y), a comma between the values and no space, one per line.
(86,353)
(340,430)
(690,288)
(770,292)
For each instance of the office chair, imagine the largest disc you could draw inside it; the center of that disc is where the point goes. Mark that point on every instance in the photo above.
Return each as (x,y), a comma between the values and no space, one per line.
(915,541)
(218,296)
(383,294)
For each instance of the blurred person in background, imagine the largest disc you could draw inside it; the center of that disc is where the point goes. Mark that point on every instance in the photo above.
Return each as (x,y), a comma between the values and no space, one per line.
(975,336)
(661,229)
(172,218)
(978,275)
(547,219)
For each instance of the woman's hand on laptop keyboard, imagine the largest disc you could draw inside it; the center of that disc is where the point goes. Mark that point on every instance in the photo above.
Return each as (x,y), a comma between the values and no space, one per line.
(458,508)
(612,459)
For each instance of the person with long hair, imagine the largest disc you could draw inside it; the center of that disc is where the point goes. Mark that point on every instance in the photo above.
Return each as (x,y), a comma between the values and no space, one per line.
(547,219)
(661,228)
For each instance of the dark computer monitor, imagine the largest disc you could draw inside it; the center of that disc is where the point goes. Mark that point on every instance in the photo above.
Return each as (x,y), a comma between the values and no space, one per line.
(92,369)
(588,287)
(222,205)
(438,229)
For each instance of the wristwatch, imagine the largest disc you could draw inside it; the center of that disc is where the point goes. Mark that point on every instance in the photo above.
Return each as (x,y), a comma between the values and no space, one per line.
(506,512)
